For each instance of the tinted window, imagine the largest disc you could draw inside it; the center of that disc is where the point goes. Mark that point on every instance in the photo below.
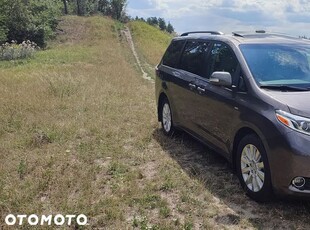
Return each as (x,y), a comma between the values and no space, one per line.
(222,59)
(273,64)
(172,55)
(194,57)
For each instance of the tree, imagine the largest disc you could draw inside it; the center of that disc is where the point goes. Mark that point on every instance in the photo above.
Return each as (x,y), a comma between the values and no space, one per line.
(18,21)
(162,24)
(114,8)
(149,21)
(118,9)
(153,21)
(34,20)
(65,6)
(44,19)
(3,30)
(3,21)
(170,28)
(104,7)
(81,7)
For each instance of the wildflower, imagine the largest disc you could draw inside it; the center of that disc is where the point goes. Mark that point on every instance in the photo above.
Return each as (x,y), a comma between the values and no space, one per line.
(16,51)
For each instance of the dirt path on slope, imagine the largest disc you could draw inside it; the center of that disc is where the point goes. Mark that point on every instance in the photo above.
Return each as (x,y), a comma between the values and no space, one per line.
(129,39)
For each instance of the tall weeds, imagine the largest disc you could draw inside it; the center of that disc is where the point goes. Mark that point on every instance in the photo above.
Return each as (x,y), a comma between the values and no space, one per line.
(13,51)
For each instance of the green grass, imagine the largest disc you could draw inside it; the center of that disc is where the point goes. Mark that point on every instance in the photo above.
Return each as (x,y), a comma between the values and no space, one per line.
(79,134)
(151,43)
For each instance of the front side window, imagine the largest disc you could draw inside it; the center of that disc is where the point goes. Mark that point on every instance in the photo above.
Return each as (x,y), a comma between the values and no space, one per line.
(222,59)
(172,55)
(278,65)
(194,57)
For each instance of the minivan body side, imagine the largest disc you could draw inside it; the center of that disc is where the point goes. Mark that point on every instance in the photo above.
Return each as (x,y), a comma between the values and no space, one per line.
(220,116)
(214,116)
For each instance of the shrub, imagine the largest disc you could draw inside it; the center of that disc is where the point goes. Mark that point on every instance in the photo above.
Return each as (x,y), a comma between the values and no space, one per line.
(13,51)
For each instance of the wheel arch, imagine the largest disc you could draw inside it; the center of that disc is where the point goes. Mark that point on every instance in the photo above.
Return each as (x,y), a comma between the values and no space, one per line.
(241,133)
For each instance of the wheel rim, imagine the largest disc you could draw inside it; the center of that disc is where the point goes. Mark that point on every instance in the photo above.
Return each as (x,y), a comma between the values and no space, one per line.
(252,168)
(166,117)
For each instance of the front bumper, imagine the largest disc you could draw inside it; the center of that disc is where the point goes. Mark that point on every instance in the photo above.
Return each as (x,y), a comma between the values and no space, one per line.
(289,157)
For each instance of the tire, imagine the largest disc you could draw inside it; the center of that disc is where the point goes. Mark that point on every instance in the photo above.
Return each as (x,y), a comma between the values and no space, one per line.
(166,118)
(253,169)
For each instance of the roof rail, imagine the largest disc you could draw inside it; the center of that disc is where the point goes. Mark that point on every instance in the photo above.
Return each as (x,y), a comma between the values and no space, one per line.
(238,34)
(245,33)
(202,32)
(260,31)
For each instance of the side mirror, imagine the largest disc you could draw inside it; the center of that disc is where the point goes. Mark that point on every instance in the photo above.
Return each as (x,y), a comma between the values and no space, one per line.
(221,79)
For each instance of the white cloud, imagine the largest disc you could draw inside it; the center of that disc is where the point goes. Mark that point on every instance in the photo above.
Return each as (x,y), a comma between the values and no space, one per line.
(291,16)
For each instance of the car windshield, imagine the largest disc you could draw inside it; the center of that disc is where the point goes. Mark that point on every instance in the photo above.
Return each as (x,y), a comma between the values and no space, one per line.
(278,64)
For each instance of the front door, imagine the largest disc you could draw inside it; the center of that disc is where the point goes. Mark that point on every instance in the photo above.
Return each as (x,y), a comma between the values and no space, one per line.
(216,112)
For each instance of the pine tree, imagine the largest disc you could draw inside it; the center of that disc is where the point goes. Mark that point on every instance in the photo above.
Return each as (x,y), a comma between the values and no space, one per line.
(162,24)
(170,28)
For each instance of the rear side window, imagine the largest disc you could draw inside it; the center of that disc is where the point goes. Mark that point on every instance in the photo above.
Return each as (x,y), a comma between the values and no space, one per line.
(194,57)
(172,55)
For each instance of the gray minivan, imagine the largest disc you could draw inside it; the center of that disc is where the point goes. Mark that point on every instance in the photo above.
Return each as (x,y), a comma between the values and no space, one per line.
(247,96)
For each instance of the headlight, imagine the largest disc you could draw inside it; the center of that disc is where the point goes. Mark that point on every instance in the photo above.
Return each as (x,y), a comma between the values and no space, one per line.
(300,124)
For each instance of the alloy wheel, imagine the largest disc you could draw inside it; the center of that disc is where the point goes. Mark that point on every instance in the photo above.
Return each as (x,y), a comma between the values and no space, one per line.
(252,168)
(166,117)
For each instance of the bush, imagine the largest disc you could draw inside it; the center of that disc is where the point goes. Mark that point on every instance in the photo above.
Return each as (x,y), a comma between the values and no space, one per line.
(15,51)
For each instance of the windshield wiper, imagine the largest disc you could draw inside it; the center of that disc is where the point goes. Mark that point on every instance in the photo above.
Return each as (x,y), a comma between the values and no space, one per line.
(284,87)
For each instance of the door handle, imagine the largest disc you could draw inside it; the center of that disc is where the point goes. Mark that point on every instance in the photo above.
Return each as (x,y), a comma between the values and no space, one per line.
(201,90)
(176,74)
(192,86)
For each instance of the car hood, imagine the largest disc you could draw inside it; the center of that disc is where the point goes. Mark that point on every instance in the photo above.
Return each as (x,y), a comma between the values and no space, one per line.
(298,102)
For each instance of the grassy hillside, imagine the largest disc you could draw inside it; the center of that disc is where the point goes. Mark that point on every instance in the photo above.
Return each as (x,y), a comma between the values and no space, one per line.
(62,147)
(78,134)
(151,43)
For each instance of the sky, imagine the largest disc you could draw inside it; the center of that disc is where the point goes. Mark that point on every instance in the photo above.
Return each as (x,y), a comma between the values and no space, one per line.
(284,16)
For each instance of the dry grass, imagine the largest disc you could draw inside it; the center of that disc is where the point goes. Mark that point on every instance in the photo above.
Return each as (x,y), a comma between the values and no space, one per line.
(78,134)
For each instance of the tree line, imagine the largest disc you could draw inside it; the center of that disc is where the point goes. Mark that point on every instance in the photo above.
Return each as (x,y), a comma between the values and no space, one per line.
(158,22)
(37,20)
